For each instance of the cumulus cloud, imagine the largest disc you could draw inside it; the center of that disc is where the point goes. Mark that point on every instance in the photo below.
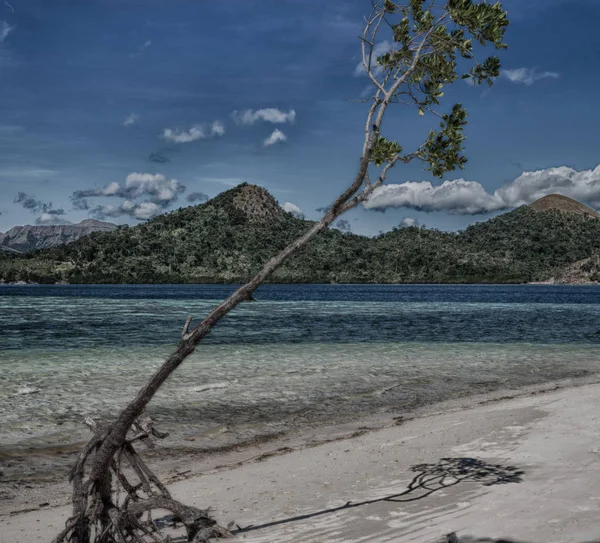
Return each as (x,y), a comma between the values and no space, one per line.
(196,132)
(527,76)
(380,49)
(157,190)
(131,119)
(293,209)
(458,197)
(5,30)
(51,218)
(197,197)
(184,136)
(462,197)
(409,221)
(529,186)
(277,136)
(160,189)
(269,115)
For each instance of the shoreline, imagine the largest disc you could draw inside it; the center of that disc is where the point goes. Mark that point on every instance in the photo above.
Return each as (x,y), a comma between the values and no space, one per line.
(18,496)
(508,469)
(546,282)
(45,466)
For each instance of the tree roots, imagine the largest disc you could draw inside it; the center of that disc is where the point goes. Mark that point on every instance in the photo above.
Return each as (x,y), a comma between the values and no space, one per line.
(118,508)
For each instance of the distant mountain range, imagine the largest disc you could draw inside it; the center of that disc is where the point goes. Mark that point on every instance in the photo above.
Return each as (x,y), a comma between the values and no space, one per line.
(228,238)
(23,239)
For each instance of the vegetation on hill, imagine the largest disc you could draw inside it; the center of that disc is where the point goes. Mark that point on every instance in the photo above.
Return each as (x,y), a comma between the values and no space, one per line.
(227,238)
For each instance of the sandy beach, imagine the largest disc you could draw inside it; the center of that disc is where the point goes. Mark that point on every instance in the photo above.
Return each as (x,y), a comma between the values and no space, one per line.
(524,469)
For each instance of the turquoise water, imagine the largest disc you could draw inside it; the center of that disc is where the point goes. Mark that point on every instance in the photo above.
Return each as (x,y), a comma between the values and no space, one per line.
(300,355)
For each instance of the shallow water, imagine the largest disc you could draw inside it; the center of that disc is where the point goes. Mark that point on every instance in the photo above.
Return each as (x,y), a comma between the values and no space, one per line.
(300,355)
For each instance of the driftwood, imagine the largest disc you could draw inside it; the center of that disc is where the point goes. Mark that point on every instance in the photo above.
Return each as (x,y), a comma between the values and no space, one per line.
(114,491)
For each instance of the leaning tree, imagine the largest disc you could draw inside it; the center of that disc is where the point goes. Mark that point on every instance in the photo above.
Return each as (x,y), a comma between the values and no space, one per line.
(410,50)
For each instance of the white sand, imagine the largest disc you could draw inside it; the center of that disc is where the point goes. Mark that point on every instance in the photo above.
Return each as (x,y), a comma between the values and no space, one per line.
(554,438)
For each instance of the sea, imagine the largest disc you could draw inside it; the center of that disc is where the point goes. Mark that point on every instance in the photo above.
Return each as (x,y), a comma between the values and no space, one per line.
(299,356)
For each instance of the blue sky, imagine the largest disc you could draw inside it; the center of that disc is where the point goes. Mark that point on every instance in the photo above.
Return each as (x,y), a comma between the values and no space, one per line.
(128,105)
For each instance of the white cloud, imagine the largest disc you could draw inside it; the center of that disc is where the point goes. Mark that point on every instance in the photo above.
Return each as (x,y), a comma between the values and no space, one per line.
(380,49)
(50,219)
(529,186)
(527,76)
(158,186)
(277,136)
(471,198)
(184,136)
(196,132)
(145,210)
(9,6)
(5,30)
(217,128)
(458,197)
(158,190)
(293,209)
(409,221)
(131,119)
(268,115)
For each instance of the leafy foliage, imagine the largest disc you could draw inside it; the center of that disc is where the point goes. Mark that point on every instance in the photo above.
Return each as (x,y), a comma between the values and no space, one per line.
(428,39)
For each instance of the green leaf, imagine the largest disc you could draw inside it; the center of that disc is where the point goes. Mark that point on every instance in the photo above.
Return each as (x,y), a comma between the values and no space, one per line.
(384,150)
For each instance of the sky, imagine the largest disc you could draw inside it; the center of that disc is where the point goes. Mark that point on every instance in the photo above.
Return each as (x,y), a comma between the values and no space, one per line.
(124,109)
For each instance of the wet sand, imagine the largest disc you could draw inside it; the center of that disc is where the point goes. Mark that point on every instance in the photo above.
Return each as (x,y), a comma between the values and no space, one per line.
(525,469)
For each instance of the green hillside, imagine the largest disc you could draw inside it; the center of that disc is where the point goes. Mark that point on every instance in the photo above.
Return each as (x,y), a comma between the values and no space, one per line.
(229,237)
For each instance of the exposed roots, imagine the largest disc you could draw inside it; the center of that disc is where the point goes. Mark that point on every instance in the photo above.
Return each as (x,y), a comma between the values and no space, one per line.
(119,507)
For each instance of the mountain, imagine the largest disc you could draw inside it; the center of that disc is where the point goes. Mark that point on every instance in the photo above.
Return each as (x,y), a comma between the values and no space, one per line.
(228,238)
(29,238)
(564,204)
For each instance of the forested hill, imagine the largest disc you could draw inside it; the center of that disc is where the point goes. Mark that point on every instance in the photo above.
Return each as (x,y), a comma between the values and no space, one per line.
(227,238)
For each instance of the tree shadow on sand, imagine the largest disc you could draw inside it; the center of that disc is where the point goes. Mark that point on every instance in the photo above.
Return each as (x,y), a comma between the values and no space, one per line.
(470,539)
(429,478)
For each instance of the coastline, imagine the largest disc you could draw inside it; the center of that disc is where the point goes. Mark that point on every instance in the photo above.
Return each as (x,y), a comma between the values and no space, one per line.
(551,282)
(30,472)
(188,473)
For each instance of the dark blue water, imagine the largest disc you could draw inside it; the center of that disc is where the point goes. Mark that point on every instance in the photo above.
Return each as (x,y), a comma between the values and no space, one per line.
(509,294)
(145,315)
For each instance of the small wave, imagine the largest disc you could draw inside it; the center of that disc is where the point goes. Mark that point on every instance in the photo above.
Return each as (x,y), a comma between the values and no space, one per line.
(211,386)
(27,389)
